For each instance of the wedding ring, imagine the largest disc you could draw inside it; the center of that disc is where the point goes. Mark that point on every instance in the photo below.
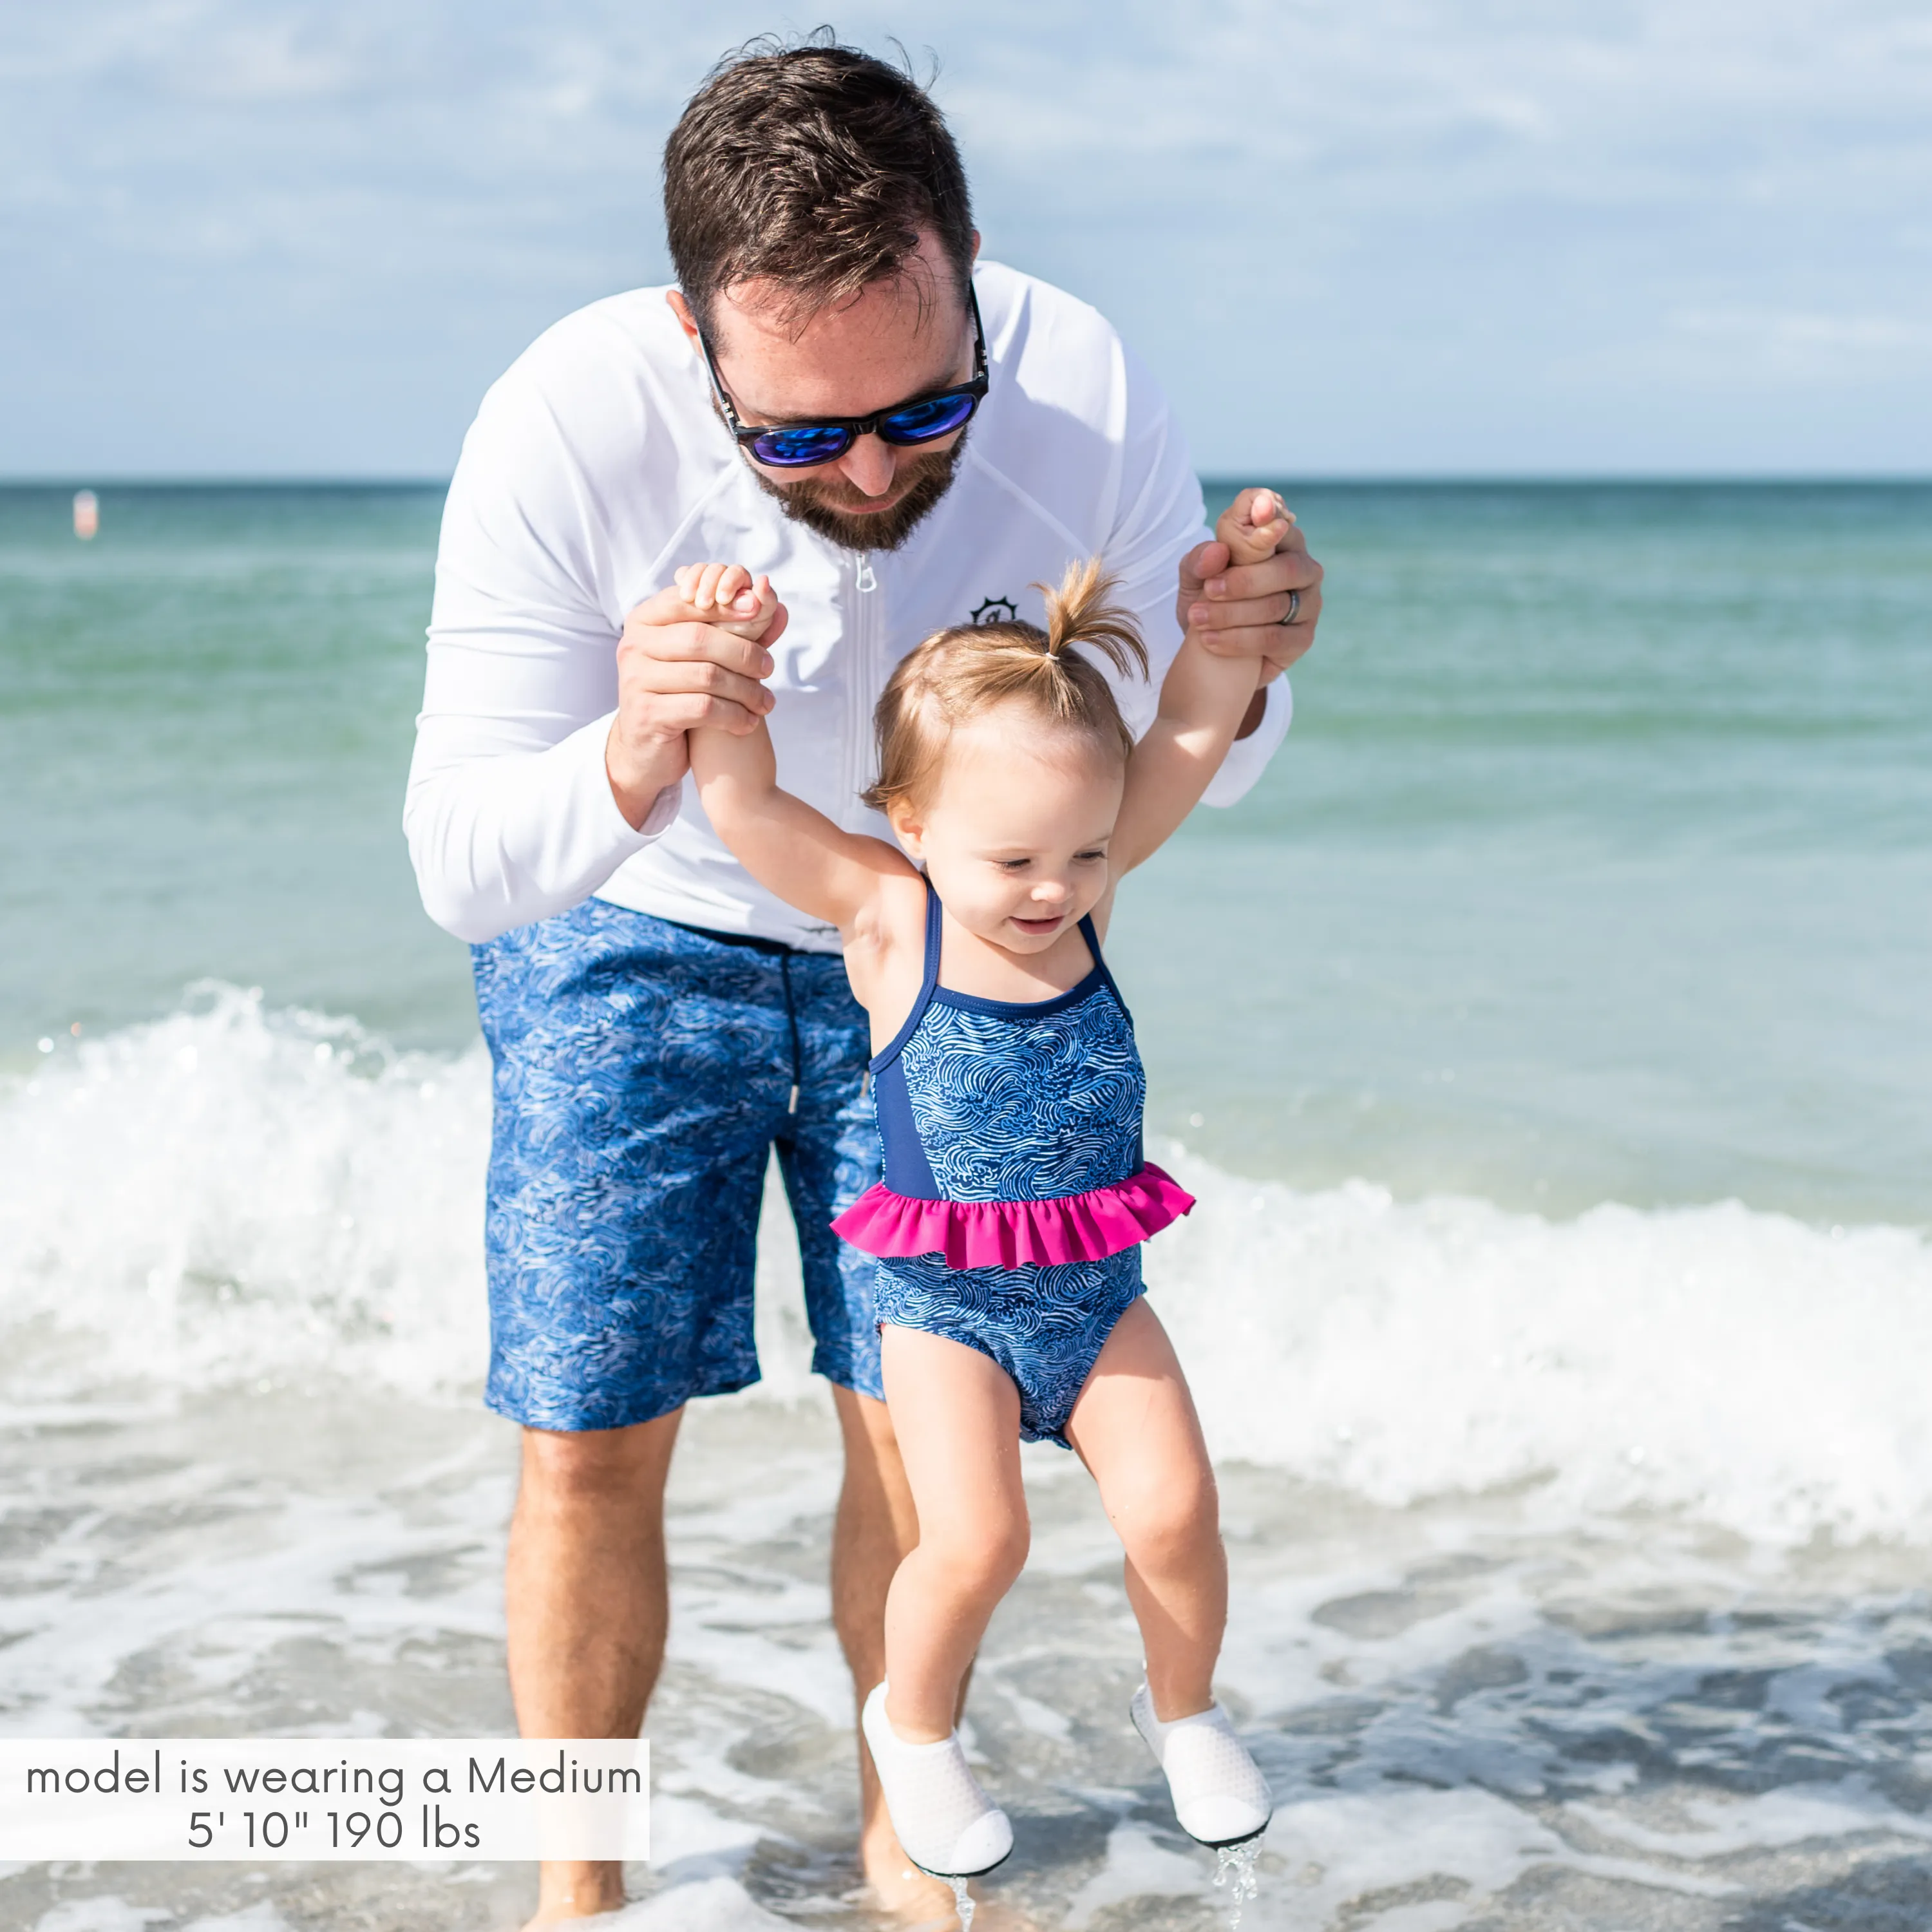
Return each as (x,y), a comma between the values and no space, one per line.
(1294,606)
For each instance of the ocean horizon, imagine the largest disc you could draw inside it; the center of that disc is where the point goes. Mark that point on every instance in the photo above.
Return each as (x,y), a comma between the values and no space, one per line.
(1213,482)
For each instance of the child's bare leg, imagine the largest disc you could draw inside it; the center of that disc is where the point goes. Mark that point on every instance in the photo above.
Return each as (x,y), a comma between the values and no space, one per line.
(1134,1427)
(956,1415)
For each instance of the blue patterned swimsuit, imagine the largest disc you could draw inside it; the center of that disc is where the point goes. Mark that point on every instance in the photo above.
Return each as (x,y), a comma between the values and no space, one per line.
(1015,1196)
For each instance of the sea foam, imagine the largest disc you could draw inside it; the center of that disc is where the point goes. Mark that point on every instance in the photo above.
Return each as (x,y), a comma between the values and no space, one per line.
(229,1194)
(234,1195)
(1754,1371)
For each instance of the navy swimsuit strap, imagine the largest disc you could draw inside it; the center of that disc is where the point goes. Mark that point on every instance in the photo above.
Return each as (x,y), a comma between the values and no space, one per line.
(934,932)
(1093,940)
(929,984)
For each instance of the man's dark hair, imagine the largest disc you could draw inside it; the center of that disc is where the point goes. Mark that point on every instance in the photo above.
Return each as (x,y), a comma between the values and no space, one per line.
(814,165)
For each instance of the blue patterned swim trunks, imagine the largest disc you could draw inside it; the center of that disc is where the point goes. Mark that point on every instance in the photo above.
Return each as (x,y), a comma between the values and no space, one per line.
(643,1072)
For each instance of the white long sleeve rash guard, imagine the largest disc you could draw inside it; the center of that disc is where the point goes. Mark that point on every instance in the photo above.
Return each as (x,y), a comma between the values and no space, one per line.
(596,468)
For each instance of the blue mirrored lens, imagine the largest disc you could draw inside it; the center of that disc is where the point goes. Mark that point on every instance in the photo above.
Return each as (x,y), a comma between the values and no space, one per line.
(940,415)
(793,449)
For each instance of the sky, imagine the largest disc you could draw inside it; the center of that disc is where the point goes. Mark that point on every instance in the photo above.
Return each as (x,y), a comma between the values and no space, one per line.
(1353,237)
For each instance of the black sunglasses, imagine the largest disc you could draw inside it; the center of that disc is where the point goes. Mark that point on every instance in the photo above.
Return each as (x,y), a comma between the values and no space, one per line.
(799,446)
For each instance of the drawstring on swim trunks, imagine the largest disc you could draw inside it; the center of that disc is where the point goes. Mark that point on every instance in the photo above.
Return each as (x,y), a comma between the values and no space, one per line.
(791,1021)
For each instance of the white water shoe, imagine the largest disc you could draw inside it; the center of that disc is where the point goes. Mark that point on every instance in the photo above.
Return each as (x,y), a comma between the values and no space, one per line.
(947,1825)
(1219,1795)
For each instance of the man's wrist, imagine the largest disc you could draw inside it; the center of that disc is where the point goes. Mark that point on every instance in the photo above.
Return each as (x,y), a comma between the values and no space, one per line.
(637,775)
(1257,710)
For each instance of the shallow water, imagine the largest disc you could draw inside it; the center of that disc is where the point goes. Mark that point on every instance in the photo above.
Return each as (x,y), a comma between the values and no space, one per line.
(1558,1301)
(1472,1712)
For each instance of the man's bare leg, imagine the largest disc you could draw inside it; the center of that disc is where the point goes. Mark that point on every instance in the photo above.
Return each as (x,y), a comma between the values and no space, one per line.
(588,1605)
(875,1528)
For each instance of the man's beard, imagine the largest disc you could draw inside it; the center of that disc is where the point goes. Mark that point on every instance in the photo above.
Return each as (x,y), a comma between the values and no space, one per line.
(822,503)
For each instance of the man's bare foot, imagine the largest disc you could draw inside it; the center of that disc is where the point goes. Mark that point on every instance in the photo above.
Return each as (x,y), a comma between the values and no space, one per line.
(574,1890)
(917,1899)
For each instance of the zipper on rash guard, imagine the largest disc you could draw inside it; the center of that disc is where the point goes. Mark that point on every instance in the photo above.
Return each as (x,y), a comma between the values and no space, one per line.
(865,625)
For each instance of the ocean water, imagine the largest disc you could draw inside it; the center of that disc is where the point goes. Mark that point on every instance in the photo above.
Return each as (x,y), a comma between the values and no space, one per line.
(1547,1040)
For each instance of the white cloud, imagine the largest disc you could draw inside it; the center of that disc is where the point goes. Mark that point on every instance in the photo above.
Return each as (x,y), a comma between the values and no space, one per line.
(1498,235)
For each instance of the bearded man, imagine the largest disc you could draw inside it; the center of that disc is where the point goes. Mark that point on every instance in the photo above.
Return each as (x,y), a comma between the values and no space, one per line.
(838,394)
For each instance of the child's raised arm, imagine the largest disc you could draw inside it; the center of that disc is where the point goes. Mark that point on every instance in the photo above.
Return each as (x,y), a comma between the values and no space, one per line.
(785,843)
(1203,699)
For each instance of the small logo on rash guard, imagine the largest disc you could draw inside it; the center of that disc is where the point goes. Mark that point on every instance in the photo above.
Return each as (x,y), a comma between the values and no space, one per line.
(996,610)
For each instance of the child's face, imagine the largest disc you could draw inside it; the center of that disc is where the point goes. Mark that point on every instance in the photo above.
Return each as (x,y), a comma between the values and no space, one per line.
(1015,838)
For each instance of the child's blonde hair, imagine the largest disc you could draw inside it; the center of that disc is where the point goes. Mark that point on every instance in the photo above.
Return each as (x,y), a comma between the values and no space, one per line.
(959,674)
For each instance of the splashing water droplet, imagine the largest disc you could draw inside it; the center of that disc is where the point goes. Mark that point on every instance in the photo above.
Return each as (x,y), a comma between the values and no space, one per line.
(962,1900)
(1235,1869)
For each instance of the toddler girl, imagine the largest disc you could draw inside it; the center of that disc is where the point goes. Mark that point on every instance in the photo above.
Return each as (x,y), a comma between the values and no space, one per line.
(1015,1196)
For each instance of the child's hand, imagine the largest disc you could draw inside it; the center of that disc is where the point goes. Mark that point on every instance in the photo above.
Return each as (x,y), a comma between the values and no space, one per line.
(1252,526)
(725,595)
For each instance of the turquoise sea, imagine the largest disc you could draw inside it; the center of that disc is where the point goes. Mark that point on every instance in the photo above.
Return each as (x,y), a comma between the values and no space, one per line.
(1598,866)
(1546,1037)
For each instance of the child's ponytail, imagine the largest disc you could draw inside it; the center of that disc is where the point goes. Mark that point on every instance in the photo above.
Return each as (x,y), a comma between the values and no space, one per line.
(959,673)
(1082,612)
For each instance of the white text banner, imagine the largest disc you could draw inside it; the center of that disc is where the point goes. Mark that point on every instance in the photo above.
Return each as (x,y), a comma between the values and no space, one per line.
(261,1799)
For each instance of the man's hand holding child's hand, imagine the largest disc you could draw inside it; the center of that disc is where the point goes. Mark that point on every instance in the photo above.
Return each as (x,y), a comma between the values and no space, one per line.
(1267,607)
(1250,530)
(1255,541)
(694,656)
